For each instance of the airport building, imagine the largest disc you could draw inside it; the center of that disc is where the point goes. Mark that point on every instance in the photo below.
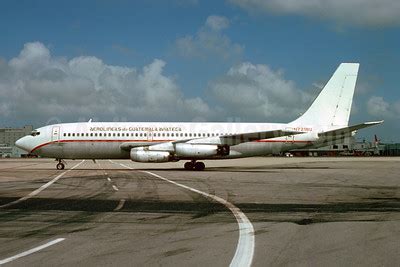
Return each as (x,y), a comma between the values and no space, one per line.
(8,136)
(391,150)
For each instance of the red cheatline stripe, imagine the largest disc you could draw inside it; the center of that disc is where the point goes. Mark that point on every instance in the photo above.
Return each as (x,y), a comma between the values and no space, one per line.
(153,141)
(97,141)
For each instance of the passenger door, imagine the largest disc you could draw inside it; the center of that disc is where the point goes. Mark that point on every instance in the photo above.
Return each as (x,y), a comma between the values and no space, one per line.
(55,135)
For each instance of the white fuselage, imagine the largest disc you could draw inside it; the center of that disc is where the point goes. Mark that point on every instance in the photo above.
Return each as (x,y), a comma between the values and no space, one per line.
(105,140)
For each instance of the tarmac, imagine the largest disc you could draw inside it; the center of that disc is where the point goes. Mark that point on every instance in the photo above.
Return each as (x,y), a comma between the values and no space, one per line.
(257,211)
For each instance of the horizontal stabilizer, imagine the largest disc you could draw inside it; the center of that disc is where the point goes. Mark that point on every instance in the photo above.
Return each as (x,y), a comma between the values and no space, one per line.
(349,129)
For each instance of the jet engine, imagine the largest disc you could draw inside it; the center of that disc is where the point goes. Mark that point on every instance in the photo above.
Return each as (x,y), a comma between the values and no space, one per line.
(150,156)
(200,151)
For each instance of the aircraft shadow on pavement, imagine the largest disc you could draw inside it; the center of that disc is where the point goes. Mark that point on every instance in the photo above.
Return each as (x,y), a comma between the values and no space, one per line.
(196,209)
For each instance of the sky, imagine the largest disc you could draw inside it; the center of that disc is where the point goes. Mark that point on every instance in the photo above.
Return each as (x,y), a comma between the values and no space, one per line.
(192,60)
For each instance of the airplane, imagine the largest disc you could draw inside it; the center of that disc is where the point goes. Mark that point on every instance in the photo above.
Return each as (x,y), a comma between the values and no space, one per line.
(325,121)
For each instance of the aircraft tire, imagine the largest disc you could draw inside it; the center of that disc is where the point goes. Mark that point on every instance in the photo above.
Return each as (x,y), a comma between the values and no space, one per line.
(199,166)
(60,166)
(188,166)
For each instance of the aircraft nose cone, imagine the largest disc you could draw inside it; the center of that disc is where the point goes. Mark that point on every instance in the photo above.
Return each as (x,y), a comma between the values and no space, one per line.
(23,143)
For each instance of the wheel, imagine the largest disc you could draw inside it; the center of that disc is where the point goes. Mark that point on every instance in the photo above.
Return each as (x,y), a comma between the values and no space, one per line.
(60,166)
(188,166)
(199,166)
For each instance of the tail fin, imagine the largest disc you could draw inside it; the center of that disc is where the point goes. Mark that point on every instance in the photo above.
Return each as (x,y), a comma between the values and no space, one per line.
(333,105)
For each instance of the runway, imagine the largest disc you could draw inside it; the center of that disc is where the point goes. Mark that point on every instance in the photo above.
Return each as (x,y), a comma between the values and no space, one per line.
(303,211)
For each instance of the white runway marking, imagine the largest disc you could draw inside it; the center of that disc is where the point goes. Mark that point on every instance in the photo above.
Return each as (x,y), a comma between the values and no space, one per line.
(245,247)
(115,188)
(40,189)
(120,205)
(33,250)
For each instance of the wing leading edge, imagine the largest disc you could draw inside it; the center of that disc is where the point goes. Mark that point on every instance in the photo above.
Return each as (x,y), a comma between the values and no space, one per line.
(230,140)
(236,139)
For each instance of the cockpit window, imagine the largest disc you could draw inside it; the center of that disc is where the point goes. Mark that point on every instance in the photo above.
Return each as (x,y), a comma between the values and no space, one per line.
(34,133)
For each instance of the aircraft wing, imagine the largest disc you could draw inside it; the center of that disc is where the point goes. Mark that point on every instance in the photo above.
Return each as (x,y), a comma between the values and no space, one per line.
(236,139)
(129,145)
(233,139)
(349,129)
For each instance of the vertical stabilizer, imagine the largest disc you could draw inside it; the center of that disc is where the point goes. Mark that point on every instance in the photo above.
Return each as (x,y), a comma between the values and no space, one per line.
(333,105)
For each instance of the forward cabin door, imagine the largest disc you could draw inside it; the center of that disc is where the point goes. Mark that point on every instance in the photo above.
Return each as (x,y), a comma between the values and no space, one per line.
(55,135)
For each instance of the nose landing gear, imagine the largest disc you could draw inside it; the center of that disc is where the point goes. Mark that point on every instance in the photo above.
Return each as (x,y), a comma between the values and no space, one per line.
(60,165)
(193,165)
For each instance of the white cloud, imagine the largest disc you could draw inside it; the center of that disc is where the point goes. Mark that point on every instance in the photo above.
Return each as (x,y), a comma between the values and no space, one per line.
(209,42)
(217,23)
(35,86)
(256,92)
(356,12)
(380,108)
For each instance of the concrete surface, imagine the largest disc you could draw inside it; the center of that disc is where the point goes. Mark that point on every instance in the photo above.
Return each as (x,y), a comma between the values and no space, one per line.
(305,212)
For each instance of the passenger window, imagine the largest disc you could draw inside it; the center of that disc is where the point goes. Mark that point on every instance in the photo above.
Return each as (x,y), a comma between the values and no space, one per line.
(136,134)
(122,134)
(95,134)
(109,134)
(118,134)
(91,134)
(65,134)
(73,134)
(113,134)
(87,134)
(100,134)
(172,134)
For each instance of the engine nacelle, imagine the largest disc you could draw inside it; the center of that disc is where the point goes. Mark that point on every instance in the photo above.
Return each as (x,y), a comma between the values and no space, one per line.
(150,156)
(200,151)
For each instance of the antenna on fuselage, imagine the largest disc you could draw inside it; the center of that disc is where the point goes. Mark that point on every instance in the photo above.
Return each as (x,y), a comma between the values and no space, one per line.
(90,120)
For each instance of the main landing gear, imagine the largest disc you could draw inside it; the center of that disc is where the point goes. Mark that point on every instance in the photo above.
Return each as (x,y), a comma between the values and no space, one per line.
(193,165)
(60,165)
